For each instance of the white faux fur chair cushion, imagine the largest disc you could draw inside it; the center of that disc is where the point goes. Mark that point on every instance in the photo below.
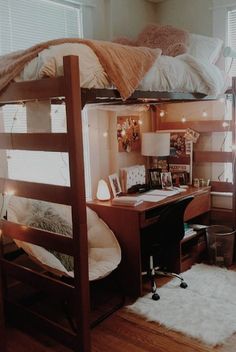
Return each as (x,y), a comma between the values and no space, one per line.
(103,247)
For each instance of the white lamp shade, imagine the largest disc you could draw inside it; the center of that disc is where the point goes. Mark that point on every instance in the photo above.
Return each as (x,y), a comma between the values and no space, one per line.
(103,192)
(155,144)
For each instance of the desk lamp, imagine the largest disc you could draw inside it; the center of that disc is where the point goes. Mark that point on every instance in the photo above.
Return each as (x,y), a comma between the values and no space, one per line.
(155,144)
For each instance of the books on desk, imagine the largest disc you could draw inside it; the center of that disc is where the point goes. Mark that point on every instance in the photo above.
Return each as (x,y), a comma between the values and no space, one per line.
(166,192)
(156,195)
(151,198)
(127,201)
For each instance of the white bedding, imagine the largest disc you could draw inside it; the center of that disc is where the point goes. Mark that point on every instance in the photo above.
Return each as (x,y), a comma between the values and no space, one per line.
(182,73)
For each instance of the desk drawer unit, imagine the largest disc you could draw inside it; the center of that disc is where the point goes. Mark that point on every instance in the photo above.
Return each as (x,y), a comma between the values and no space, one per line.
(200,204)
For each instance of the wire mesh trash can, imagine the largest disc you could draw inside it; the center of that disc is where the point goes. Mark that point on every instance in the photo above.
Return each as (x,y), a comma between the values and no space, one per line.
(220,245)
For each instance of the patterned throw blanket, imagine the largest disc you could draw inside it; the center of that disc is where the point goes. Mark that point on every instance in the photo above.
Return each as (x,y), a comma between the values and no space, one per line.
(125,65)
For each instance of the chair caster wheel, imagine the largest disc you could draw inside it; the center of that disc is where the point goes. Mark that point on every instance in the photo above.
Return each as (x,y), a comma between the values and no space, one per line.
(155,297)
(183,284)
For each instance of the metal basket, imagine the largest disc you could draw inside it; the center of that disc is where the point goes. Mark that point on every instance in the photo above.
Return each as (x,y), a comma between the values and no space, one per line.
(220,244)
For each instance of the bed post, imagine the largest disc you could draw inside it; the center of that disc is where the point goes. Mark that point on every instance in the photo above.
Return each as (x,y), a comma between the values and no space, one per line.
(234,151)
(76,162)
(2,313)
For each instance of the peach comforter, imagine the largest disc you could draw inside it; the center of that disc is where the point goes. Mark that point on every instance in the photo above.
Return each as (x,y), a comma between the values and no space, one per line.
(124,65)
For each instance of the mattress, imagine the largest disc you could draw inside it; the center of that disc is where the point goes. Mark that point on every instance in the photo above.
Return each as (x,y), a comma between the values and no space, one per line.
(182,73)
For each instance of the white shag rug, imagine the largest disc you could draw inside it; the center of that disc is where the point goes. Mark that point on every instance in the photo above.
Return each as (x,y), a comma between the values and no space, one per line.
(206,310)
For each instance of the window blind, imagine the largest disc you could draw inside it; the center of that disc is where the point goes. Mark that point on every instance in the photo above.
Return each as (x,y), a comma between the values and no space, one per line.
(231,34)
(27,22)
(22,24)
(231,69)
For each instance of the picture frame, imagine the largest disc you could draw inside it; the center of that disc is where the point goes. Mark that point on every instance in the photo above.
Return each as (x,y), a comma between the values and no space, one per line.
(166,180)
(154,177)
(115,184)
(180,178)
(128,133)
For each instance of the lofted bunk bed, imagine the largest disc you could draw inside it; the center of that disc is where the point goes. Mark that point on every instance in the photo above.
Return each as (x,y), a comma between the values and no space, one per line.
(68,89)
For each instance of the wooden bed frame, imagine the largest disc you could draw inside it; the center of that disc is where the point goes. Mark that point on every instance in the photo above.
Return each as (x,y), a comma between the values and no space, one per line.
(68,88)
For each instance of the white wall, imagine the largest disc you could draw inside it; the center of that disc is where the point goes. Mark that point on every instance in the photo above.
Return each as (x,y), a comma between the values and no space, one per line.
(130,16)
(192,15)
(112,18)
(105,159)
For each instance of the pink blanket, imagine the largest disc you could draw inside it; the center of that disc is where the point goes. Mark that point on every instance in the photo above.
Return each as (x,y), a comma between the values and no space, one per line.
(125,65)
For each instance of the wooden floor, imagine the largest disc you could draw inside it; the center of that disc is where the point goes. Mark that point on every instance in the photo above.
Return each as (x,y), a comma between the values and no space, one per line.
(121,332)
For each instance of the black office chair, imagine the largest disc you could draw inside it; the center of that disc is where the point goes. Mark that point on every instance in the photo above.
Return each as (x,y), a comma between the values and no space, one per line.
(160,243)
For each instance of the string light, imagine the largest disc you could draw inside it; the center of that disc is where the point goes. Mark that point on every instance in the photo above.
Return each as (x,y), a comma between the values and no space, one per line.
(225,124)
(3,206)
(162,113)
(5,199)
(64,168)
(9,193)
(106,133)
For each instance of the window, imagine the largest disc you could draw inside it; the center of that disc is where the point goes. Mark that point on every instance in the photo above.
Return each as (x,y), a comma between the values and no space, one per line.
(231,40)
(22,24)
(231,69)
(27,22)
(33,166)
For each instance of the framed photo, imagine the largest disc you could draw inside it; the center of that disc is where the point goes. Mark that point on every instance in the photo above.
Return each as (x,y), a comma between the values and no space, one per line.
(180,178)
(115,184)
(128,133)
(166,180)
(154,176)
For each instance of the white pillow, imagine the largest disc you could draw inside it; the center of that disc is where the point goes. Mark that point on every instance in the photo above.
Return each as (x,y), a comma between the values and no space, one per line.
(103,247)
(205,48)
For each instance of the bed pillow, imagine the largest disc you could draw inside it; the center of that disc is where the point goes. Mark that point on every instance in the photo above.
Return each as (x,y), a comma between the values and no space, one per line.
(124,41)
(103,247)
(205,48)
(172,41)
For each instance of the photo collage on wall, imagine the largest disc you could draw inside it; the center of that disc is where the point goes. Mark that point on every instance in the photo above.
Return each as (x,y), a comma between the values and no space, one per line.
(179,162)
(180,159)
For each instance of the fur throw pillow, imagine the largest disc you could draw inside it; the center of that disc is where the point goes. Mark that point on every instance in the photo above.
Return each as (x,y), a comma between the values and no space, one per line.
(46,218)
(173,41)
(124,41)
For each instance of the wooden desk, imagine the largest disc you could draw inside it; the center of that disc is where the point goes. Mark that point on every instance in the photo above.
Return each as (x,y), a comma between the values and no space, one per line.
(128,222)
